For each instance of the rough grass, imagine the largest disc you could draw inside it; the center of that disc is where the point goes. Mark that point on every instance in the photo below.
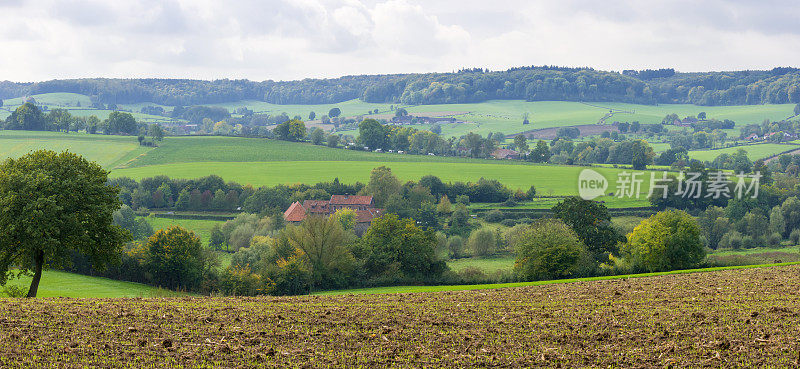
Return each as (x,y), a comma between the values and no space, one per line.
(731,318)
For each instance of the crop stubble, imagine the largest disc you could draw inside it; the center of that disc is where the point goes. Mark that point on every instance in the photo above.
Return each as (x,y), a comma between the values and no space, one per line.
(734,318)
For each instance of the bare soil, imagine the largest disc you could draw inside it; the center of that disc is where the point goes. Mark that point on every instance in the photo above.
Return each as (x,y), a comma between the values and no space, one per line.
(735,318)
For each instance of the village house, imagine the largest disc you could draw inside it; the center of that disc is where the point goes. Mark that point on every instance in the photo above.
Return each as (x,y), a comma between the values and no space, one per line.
(505,154)
(362,205)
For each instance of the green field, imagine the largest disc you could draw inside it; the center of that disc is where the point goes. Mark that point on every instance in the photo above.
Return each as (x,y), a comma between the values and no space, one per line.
(263,162)
(754,152)
(56,283)
(487,265)
(108,151)
(549,180)
(506,115)
(202,228)
(741,114)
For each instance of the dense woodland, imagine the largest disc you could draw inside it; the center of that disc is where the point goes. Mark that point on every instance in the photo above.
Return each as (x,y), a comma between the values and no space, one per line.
(779,85)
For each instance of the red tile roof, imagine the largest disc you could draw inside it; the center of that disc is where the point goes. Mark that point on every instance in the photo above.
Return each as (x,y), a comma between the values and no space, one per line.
(316,206)
(350,200)
(295,213)
(366,216)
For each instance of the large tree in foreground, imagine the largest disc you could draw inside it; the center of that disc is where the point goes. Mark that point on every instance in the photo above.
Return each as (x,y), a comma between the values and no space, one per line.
(51,205)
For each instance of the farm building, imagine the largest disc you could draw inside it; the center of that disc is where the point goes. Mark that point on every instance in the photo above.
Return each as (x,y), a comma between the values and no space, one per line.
(362,205)
(505,154)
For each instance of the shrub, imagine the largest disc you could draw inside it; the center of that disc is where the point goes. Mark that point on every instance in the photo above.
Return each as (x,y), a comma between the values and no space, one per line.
(749,242)
(731,240)
(668,240)
(293,277)
(509,222)
(482,242)
(795,236)
(550,249)
(240,281)
(493,216)
(774,239)
(455,246)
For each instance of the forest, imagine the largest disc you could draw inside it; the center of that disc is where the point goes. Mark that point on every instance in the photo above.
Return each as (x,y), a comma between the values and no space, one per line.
(535,83)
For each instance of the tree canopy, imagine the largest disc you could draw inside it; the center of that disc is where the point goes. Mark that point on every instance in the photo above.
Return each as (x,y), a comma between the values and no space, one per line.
(53,204)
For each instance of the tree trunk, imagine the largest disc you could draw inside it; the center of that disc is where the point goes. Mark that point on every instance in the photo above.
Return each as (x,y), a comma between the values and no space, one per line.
(39,261)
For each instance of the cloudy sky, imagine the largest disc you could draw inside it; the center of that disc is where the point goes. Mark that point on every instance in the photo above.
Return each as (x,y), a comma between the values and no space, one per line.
(293,39)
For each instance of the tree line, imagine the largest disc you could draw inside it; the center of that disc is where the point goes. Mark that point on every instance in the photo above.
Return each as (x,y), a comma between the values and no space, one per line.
(776,86)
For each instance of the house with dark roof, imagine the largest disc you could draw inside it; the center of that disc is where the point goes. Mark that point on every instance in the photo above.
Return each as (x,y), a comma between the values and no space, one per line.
(362,205)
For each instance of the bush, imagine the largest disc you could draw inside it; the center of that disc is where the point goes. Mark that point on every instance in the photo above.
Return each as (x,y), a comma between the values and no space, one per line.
(455,246)
(668,240)
(774,239)
(509,222)
(293,277)
(795,236)
(482,242)
(510,202)
(731,240)
(550,249)
(240,281)
(14,291)
(749,242)
(493,216)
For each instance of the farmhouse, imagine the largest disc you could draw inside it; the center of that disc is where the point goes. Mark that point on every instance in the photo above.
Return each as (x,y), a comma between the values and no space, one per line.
(362,205)
(505,154)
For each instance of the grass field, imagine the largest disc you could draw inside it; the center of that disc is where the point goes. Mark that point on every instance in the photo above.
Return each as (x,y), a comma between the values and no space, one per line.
(506,115)
(108,151)
(487,265)
(269,162)
(741,114)
(729,318)
(62,284)
(754,152)
(549,180)
(200,227)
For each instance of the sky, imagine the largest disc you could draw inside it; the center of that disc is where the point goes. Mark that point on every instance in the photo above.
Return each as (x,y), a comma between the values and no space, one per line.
(295,39)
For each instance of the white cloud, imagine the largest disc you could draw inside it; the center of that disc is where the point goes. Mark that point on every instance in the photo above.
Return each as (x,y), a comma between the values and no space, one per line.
(290,39)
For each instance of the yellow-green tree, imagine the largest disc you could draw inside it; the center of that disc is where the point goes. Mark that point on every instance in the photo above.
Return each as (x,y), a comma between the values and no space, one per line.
(668,240)
(550,249)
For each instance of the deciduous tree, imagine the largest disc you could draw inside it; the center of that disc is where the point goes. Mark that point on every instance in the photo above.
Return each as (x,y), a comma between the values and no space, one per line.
(52,204)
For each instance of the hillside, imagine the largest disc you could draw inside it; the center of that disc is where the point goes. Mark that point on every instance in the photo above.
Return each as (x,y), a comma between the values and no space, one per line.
(734,318)
(263,162)
(488,116)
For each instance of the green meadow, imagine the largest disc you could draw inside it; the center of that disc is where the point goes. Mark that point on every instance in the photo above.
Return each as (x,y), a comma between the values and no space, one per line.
(754,152)
(201,227)
(62,284)
(108,151)
(488,116)
(263,162)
